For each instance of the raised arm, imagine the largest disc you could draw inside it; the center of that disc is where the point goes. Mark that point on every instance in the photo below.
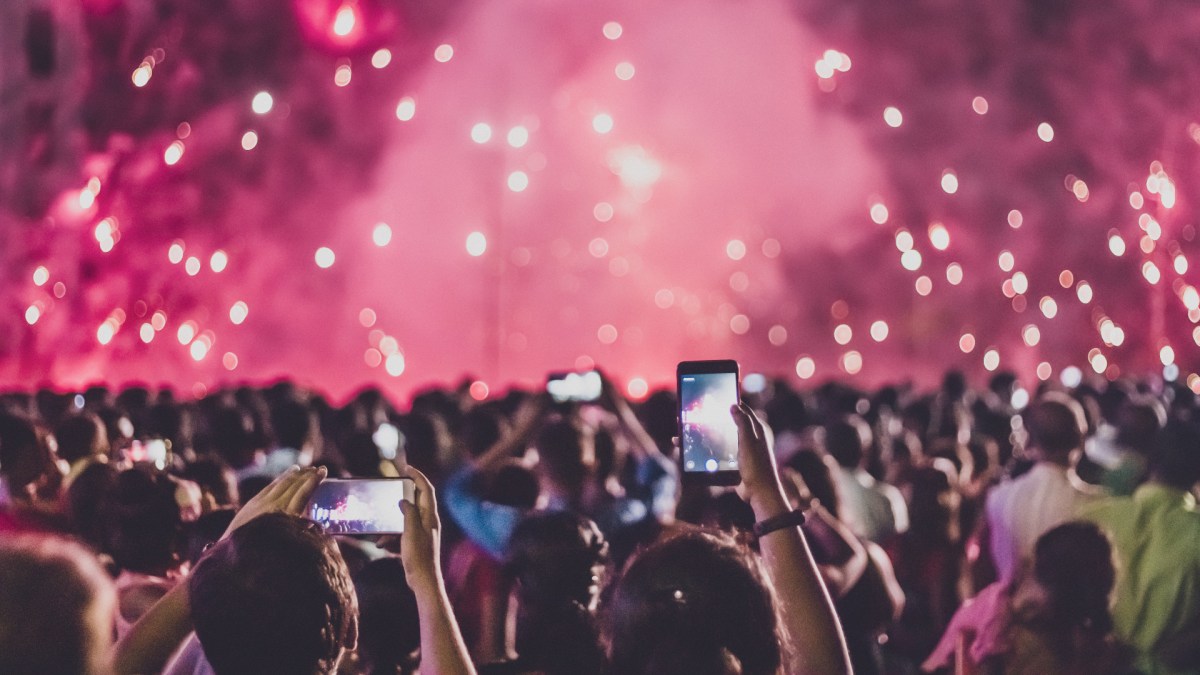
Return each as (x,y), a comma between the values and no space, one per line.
(814,639)
(443,651)
(160,631)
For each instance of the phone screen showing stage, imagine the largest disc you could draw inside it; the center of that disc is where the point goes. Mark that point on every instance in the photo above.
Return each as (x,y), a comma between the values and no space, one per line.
(360,506)
(709,434)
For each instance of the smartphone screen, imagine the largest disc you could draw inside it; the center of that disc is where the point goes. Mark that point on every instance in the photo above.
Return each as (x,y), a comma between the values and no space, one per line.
(574,387)
(154,451)
(360,506)
(708,434)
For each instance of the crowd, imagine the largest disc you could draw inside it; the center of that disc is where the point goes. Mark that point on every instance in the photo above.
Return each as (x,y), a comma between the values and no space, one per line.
(960,530)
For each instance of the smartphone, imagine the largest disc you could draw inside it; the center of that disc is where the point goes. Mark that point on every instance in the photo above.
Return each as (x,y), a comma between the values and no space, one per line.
(361,505)
(708,434)
(574,387)
(157,451)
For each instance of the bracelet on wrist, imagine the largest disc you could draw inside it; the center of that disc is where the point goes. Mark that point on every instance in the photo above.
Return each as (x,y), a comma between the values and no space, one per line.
(779,522)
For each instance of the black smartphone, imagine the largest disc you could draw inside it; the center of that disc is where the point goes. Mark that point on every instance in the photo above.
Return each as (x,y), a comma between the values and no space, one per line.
(708,434)
(361,505)
(574,387)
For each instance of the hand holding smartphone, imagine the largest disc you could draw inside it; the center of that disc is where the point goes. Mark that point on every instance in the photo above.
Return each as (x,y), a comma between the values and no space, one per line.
(708,433)
(360,506)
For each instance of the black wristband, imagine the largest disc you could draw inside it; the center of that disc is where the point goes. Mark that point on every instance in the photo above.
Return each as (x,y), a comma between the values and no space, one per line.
(779,522)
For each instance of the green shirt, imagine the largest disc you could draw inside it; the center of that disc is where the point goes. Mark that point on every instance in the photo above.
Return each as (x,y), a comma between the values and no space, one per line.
(1156,534)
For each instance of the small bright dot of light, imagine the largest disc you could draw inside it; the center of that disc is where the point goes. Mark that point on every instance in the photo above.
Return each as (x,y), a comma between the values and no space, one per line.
(443,53)
(406,108)
(1099,362)
(777,336)
(612,30)
(1031,335)
(40,276)
(892,116)
(625,71)
(607,334)
(980,105)
(476,244)
(481,133)
(366,317)
(239,312)
(1166,355)
(603,212)
(1048,306)
(1116,245)
(939,236)
(173,153)
(218,261)
(739,324)
(904,240)
(146,332)
(954,274)
(381,58)
(1044,371)
(141,75)
(924,285)
(324,257)
(32,314)
(637,388)
(518,181)
(186,332)
(598,247)
(192,266)
(249,140)
(735,249)
(991,359)
(852,362)
(175,253)
(966,343)
(1015,219)
(1045,132)
(949,182)
(842,334)
(262,103)
(602,123)
(343,74)
(1007,261)
(479,390)
(105,333)
(199,350)
(344,20)
(230,361)
(394,365)
(805,367)
(879,331)
(382,234)
(1084,291)
(518,136)
(911,260)
(879,213)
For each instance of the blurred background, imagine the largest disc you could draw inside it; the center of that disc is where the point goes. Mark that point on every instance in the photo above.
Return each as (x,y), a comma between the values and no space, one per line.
(401,192)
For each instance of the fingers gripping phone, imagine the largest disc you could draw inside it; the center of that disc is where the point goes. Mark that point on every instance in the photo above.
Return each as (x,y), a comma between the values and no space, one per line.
(708,434)
(361,506)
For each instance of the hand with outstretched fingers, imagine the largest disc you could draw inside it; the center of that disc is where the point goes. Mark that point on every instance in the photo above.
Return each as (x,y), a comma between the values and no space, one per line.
(289,493)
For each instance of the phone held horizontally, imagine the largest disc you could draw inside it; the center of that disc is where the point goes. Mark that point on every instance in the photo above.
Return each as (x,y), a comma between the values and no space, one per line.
(708,434)
(361,505)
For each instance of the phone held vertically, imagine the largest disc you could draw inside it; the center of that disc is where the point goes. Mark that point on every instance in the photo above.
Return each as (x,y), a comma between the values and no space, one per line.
(361,505)
(708,434)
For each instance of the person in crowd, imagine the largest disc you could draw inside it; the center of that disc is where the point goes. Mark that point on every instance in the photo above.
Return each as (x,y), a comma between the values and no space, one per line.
(31,475)
(1019,511)
(389,632)
(217,482)
(1052,618)
(1119,455)
(56,608)
(1155,533)
(84,501)
(700,603)
(871,508)
(82,439)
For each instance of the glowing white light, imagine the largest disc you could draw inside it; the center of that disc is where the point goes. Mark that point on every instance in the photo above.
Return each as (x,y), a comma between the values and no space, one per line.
(382,234)
(395,364)
(892,116)
(904,240)
(852,362)
(1048,306)
(249,140)
(106,331)
(598,247)
(32,314)
(607,334)
(146,332)
(1045,132)
(175,253)
(239,312)
(173,153)
(624,71)
(1015,219)
(805,367)
(635,167)
(879,214)
(777,336)
(1151,272)
(518,136)
(842,334)
(199,350)
(991,359)
(141,75)
(192,266)
(344,20)
(159,320)
(939,236)
(735,249)
(324,257)
(1190,297)
(230,361)
(1116,245)
(1020,283)
(739,324)
(966,343)
(980,105)
(218,261)
(602,211)
(1071,376)
(602,123)
(481,133)
(954,274)
(381,58)
(637,388)
(879,331)
(949,182)
(186,332)
(1181,264)
(612,30)
(406,108)
(1166,355)
(443,53)
(911,260)
(476,244)
(924,285)
(1044,371)
(262,103)
(1098,361)
(343,74)
(41,275)
(518,181)
(1083,290)
(1031,335)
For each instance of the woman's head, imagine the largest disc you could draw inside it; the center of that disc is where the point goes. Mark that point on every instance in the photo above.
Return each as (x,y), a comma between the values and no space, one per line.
(1074,564)
(696,603)
(143,521)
